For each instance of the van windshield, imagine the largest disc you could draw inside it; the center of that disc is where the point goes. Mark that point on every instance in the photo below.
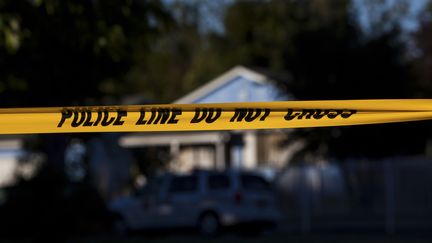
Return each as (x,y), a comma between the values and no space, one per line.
(218,182)
(151,187)
(254,183)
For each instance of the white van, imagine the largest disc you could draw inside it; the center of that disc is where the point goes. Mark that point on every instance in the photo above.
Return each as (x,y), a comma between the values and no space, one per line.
(208,200)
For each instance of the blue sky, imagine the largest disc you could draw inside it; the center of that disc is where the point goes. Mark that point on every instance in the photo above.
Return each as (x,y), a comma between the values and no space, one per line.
(369,14)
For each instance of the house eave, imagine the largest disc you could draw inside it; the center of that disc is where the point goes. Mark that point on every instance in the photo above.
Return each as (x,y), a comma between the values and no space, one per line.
(220,81)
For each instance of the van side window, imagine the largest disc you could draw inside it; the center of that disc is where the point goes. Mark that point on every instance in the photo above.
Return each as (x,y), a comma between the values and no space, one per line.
(184,184)
(254,183)
(218,182)
(152,187)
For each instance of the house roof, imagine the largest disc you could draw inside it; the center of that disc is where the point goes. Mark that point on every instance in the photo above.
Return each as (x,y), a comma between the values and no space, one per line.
(253,75)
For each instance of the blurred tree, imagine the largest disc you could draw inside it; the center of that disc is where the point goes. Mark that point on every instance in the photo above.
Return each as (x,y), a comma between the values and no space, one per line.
(159,74)
(66,52)
(379,17)
(422,67)
(181,58)
(324,48)
(55,52)
(47,207)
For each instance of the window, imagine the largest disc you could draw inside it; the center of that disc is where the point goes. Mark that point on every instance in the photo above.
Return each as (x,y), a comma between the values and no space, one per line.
(218,182)
(254,183)
(184,184)
(152,187)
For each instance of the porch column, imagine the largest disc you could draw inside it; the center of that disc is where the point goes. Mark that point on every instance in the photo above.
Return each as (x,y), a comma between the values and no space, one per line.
(250,152)
(220,155)
(174,151)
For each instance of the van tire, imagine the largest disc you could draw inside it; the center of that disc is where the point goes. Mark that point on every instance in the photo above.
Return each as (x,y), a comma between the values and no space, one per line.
(209,224)
(120,228)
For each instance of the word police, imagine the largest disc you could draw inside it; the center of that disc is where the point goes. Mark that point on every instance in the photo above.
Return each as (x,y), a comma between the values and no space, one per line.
(84,117)
(105,117)
(87,118)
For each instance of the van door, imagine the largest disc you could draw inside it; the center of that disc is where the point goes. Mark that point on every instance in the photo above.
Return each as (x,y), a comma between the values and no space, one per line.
(183,197)
(257,195)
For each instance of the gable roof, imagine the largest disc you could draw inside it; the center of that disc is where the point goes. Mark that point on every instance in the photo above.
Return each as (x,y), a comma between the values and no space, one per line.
(221,80)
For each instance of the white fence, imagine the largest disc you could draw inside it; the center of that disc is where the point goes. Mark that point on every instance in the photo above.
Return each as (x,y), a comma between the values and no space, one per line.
(393,194)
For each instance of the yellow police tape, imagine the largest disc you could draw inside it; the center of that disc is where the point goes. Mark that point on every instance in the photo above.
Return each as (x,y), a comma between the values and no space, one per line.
(222,116)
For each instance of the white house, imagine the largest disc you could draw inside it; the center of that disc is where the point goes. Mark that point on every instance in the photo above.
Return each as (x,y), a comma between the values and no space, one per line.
(222,149)
(10,149)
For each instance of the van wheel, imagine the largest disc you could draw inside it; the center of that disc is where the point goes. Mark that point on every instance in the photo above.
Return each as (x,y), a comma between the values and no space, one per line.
(208,224)
(120,228)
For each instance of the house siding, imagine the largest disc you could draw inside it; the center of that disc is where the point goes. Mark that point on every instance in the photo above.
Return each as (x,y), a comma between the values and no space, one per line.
(241,89)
